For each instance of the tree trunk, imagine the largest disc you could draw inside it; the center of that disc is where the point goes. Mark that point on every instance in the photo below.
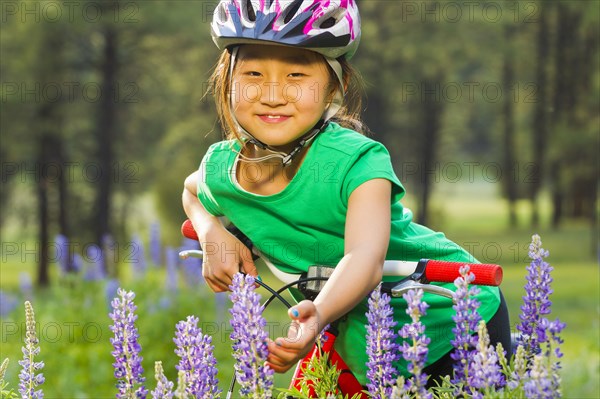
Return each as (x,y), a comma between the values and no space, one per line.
(594,221)
(43,278)
(432,110)
(563,100)
(540,122)
(59,159)
(557,194)
(48,125)
(510,182)
(106,134)
(591,46)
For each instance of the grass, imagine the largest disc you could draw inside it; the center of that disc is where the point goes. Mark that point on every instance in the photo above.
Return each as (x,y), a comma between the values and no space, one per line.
(73,315)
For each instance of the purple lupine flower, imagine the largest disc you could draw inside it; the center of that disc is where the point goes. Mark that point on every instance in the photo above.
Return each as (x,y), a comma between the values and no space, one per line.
(138,259)
(466,319)
(485,373)
(28,379)
(172,259)
(155,245)
(249,340)
(542,378)
(519,369)
(323,337)
(197,360)
(536,300)
(77,263)
(8,303)
(415,349)
(539,338)
(95,264)
(164,387)
(554,329)
(128,362)
(62,252)
(381,345)
(539,384)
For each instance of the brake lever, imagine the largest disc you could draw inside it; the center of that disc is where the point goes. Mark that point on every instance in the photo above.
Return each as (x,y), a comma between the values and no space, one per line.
(406,285)
(415,281)
(191,253)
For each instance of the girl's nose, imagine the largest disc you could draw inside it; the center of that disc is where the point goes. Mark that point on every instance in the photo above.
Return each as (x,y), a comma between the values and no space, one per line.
(273,94)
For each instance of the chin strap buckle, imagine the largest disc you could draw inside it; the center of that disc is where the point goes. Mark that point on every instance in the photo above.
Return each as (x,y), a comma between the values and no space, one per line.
(290,157)
(286,160)
(257,143)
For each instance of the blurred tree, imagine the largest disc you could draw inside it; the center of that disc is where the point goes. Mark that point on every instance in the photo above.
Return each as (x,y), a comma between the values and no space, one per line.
(540,118)
(575,106)
(431,120)
(575,121)
(48,162)
(173,118)
(510,184)
(422,61)
(106,125)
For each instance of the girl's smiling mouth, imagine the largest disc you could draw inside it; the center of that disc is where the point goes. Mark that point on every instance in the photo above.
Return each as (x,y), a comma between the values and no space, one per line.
(273,118)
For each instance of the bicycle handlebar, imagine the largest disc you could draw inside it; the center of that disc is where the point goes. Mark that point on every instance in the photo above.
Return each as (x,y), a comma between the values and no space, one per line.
(433,270)
(187,229)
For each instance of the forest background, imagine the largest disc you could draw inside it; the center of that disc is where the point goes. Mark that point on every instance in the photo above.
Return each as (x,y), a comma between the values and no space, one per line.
(488,108)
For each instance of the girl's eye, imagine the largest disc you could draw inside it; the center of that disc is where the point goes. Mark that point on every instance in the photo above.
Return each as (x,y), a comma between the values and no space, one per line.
(296,75)
(252,73)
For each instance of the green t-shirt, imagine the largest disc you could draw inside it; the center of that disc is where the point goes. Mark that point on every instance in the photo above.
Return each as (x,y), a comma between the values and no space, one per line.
(304,224)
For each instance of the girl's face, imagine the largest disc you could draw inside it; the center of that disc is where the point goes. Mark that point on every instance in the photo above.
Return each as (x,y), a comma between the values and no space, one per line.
(279,93)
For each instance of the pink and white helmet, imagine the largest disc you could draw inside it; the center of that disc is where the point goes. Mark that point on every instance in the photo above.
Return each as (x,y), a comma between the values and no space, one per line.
(329,27)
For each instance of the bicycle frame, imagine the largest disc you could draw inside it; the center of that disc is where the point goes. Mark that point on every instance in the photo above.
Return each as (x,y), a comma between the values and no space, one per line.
(347,382)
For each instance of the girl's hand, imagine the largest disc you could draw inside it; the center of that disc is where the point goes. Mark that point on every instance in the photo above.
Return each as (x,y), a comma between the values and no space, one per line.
(285,353)
(224,256)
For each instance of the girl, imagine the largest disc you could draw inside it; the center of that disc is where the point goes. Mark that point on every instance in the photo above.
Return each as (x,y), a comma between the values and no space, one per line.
(300,180)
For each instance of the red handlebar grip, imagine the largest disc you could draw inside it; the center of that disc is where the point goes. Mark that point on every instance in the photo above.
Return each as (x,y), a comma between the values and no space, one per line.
(446,272)
(187,229)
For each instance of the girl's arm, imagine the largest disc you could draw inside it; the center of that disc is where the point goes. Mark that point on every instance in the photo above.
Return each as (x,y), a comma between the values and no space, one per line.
(367,235)
(200,218)
(224,255)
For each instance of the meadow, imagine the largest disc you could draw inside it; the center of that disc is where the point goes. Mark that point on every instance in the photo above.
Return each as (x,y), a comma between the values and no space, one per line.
(73,322)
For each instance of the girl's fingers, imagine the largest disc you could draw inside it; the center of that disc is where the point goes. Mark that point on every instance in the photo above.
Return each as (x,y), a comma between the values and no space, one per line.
(282,359)
(215,286)
(216,283)
(277,368)
(247,263)
(282,354)
(304,312)
(299,337)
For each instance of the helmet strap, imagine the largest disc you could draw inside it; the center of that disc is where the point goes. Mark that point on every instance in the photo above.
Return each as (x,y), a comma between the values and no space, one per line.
(338,97)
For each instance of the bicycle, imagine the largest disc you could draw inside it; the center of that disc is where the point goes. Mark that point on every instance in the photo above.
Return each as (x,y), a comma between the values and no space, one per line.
(415,275)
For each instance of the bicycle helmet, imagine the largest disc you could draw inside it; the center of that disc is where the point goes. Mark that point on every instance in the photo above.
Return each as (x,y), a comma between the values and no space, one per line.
(329,27)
